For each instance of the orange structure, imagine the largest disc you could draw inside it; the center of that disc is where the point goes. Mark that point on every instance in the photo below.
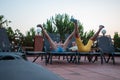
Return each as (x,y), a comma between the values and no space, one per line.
(38,43)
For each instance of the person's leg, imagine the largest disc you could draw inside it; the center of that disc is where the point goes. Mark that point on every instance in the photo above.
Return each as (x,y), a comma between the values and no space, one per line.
(87,47)
(68,40)
(76,30)
(92,39)
(79,43)
(52,44)
(97,33)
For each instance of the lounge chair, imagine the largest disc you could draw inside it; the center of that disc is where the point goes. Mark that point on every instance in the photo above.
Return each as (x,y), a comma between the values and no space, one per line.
(14,67)
(106,47)
(5,45)
(38,49)
(117,48)
(4,41)
(91,56)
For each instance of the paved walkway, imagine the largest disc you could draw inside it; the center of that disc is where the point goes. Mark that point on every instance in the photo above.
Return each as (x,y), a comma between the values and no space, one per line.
(84,70)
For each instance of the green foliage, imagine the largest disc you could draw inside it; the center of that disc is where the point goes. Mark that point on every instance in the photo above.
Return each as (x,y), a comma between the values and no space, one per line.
(61,24)
(15,37)
(116,35)
(86,36)
(10,33)
(116,40)
(1,20)
(18,39)
(29,38)
(49,26)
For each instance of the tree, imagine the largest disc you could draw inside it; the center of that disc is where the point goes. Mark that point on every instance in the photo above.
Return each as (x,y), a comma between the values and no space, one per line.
(86,36)
(29,38)
(3,21)
(9,30)
(18,37)
(116,40)
(49,26)
(61,24)
(10,33)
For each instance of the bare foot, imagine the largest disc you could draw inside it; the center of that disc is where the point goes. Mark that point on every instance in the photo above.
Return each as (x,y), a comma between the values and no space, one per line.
(39,25)
(76,26)
(101,26)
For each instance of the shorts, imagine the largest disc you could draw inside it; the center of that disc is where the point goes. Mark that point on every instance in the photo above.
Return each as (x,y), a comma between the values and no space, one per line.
(59,49)
(82,47)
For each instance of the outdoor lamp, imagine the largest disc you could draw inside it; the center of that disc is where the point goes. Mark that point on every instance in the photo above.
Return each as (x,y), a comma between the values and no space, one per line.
(103,31)
(38,31)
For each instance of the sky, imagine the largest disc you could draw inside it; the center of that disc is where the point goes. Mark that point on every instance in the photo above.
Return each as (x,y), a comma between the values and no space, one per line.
(26,14)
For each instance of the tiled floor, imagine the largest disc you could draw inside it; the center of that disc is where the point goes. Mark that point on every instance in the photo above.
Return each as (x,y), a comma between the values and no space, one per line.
(84,70)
